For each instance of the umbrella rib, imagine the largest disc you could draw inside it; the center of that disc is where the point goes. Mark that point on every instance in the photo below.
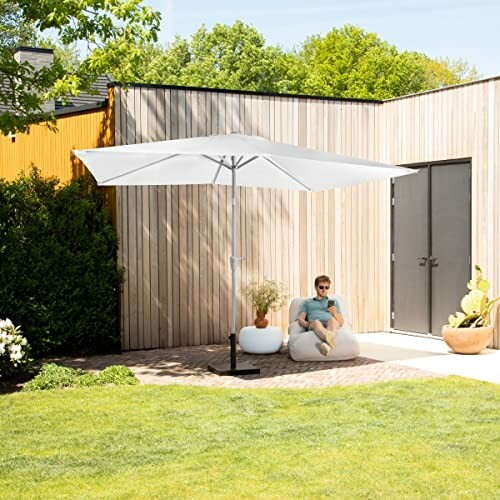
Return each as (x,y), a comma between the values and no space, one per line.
(219,162)
(138,168)
(281,169)
(246,162)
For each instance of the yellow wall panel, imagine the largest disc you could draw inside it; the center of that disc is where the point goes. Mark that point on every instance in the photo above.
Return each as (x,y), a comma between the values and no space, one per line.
(51,151)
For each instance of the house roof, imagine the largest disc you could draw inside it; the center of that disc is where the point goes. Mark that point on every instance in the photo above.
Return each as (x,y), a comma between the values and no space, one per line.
(85,99)
(81,102)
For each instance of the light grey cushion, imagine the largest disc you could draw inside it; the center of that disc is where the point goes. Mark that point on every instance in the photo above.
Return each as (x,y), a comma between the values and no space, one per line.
(304,346)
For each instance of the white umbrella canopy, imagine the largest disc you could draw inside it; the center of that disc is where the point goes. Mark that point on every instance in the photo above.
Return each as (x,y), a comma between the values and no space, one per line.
(208,160)
(236,160)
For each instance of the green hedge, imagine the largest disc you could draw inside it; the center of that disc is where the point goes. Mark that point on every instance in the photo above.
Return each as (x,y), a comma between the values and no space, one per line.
(58,265)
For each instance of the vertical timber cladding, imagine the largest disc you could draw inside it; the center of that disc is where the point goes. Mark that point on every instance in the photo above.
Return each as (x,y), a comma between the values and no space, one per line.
(175,236)
(51,151)
(175,240)
(461,122)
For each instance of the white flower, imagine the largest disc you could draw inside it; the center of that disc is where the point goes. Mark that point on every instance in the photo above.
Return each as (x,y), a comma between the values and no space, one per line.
(12,345)
(15,356)
(4,324)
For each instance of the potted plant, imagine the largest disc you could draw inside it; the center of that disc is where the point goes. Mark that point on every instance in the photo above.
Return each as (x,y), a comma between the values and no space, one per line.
(265,296)
(469,332)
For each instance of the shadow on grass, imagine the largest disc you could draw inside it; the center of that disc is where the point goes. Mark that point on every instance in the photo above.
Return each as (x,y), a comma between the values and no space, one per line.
(15,384)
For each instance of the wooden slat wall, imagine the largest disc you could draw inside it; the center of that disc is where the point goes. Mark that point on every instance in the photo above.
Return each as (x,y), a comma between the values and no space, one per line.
(460,122)
(175,241)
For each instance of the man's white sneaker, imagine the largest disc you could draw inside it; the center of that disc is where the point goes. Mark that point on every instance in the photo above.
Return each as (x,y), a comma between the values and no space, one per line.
(324,348)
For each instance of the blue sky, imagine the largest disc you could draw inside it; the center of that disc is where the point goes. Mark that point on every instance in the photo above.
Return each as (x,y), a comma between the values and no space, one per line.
(439,28)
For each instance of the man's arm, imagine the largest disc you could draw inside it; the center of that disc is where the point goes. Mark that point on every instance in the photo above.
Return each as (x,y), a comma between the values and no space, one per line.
(338,316)
(301,318)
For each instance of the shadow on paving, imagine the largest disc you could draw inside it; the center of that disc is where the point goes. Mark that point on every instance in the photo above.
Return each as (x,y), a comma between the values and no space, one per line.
(193,361)
(189,366)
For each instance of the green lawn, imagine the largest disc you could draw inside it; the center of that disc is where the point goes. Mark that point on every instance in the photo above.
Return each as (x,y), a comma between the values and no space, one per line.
(434,438)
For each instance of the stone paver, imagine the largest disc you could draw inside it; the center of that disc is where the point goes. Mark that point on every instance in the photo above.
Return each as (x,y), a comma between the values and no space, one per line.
(188,366)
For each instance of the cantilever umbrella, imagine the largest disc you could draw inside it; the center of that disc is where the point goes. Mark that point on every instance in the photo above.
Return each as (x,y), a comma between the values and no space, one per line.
(236,160)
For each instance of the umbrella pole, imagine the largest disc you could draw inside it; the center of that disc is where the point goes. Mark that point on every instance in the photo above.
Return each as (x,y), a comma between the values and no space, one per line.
(234,263)
(244,367)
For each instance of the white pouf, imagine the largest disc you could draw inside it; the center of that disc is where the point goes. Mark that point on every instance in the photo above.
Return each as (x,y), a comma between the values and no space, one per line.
(255,340)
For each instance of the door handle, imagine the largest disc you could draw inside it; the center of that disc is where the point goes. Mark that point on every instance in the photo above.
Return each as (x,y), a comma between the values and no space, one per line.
(422,260)
(433,261)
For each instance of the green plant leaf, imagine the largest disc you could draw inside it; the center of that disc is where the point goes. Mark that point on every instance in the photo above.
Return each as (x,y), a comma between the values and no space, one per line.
(483,285)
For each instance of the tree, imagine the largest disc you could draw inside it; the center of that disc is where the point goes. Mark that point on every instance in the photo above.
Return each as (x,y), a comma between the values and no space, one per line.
(347,62)
(114,30)
(14,29)
(445,72)
(350,62)
(229,57)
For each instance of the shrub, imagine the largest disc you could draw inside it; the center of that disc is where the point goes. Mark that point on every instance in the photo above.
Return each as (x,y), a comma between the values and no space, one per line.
(53,376)
(59,252)
(118,375)
(14,350)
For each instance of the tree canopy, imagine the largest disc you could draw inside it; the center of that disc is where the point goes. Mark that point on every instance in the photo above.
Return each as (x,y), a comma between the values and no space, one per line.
(233,57)
(15,29)
(122,41)
(346,62)
(114,31)
(350,62)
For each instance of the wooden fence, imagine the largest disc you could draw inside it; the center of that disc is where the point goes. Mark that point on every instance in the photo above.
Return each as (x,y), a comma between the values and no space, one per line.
(175,240)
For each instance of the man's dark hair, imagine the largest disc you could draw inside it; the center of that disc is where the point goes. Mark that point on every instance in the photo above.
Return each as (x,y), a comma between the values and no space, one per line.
(321,279)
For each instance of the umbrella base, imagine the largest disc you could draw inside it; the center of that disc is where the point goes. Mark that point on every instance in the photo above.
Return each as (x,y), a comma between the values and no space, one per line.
(242,368)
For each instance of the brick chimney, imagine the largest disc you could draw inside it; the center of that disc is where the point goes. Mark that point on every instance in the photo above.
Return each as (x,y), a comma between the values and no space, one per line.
(38,58)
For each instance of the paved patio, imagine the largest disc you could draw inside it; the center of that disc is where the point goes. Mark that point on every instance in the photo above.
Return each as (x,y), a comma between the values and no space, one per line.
(188,365)
(430,354)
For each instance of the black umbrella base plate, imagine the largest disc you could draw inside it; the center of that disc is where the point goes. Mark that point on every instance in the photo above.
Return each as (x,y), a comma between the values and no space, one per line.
(242,368)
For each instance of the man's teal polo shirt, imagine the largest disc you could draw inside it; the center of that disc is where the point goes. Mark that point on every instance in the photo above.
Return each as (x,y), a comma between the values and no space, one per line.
(317,309)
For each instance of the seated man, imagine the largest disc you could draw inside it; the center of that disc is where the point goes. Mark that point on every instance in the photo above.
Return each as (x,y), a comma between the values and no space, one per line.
(320,316)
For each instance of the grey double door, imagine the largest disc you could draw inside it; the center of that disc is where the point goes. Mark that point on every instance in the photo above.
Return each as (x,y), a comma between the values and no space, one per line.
(431,246)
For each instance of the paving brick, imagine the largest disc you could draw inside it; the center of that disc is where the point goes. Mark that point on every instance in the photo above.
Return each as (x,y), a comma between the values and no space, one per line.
(188,366)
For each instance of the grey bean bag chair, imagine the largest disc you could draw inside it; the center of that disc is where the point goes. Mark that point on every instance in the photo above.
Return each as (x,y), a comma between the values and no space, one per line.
(304,346)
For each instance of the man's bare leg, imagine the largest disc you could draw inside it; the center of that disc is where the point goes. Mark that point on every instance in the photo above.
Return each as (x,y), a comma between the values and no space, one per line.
(332,326)
(327,335)
(318,328)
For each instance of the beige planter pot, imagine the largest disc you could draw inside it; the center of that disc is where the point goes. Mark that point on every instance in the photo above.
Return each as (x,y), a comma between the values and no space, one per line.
(467,340)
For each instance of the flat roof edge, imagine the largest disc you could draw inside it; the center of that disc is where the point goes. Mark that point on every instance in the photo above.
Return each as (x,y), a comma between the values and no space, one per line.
(303,96)
(77,109)
(245,92)
(22,48)
(442,89)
